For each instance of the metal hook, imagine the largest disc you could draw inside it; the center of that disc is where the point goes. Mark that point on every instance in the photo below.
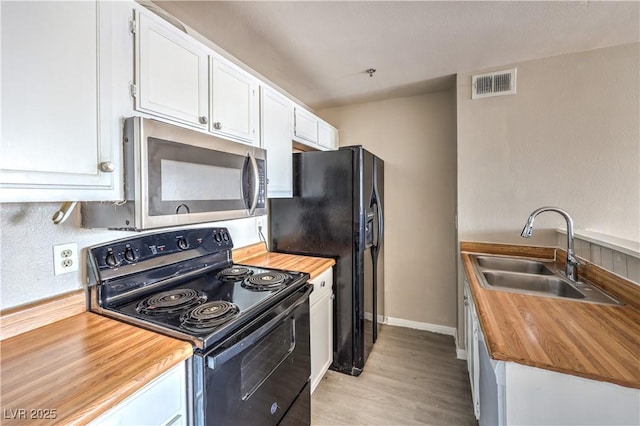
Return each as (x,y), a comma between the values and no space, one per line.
(370,71)
(64,212)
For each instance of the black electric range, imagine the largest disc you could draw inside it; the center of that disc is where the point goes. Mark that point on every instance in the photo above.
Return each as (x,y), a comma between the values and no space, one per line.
(249,326)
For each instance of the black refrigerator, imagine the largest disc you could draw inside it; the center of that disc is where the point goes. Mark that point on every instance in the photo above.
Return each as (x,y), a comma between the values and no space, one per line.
(337,211)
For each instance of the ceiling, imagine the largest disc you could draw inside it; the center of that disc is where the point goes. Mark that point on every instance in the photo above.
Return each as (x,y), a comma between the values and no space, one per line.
(319,51)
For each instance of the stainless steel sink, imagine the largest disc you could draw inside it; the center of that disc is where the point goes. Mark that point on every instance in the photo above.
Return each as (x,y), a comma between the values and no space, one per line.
(513,265)
(538,278)
(532,284)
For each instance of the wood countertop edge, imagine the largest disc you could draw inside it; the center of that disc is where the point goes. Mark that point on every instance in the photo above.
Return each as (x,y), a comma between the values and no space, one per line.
(495,343)
(104,403)
(90,343)
(24,318)
(257,255)
(242,254)
(99,406)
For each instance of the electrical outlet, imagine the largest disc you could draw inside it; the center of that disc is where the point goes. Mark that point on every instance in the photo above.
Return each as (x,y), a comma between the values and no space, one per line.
(259,227)
(65,258)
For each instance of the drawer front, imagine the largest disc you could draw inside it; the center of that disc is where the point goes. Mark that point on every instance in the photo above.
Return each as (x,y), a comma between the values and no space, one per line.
(322,284)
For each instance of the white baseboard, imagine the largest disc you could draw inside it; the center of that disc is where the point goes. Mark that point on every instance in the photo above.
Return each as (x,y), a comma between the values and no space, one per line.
(461,354)
(369,316)
(434,328)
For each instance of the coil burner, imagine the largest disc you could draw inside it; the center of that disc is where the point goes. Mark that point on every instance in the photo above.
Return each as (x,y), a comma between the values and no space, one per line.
(266,281)
(208,316)
(170,302)
(234,273)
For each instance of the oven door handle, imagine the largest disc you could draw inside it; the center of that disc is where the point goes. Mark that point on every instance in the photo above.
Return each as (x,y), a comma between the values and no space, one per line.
(226,354)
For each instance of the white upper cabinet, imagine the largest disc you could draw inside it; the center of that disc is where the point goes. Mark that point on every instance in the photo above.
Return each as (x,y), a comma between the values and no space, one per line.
(313,132)
(60,141)
(234,101)
(277,131)
(171,78)
(306,126)
(327,135)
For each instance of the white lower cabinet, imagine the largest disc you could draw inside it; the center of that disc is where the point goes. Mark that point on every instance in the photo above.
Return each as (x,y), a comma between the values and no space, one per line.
(471,339)
(507,393)
(321,317)
(161,402)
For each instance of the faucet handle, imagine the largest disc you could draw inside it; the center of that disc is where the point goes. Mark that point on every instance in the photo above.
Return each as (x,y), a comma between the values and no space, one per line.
(572,260)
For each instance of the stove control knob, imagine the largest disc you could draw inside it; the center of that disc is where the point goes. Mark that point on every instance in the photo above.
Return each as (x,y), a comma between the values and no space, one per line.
(217,237)
(225,236)
(129,254)
(183,244)
(111,260)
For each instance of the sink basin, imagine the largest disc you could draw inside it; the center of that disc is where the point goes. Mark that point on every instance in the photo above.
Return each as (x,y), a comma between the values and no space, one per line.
(532,284)
(536,278)
(514,265)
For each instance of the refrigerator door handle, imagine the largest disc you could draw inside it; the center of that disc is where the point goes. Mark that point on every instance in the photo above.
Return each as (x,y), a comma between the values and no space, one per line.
(375,250)
(378,202)
(380,222)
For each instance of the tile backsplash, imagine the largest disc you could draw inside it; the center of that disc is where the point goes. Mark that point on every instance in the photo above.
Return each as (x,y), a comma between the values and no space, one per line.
(623,260)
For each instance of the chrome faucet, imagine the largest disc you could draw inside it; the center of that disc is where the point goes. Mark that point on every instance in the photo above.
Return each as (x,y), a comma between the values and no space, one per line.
(572,262)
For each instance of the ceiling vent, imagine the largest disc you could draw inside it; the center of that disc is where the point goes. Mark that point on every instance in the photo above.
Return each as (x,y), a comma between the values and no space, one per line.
(493,84)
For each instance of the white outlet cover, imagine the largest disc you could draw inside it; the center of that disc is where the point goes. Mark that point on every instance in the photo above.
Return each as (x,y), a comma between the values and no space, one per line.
(60,254)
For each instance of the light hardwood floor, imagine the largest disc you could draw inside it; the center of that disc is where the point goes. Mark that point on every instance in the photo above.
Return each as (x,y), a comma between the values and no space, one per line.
(412,377)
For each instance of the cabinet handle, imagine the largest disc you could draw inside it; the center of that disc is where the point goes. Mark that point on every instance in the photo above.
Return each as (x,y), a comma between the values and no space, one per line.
(204,120)
(174,420)
(322,284)
(217,125)
(107,167)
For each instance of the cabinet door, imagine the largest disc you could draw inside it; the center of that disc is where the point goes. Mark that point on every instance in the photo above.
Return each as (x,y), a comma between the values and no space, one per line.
(321,318)
(473,358)
(276,119)
(306,126)
(234,102)
(161,402)
(55,135)
(321,335)
(171,73)
(327,135)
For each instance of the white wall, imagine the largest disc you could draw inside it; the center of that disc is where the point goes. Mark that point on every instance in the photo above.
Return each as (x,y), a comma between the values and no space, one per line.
(570,138)
(27,237)
(415,136)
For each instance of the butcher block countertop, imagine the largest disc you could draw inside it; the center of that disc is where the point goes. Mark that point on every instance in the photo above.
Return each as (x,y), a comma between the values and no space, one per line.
(74,369)
(599,342)
(257,255)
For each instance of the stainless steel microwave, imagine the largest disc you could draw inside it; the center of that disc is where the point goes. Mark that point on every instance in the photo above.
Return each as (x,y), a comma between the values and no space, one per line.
(175,176)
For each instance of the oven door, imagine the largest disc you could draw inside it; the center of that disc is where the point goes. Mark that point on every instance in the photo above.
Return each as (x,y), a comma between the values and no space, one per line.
(191,177)
(259,373)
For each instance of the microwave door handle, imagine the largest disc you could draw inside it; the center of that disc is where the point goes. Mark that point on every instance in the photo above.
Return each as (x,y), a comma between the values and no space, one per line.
(256,183)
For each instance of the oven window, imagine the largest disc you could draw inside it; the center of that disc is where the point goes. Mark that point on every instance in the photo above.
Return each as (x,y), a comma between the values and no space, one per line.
(259,362)
(192,181)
